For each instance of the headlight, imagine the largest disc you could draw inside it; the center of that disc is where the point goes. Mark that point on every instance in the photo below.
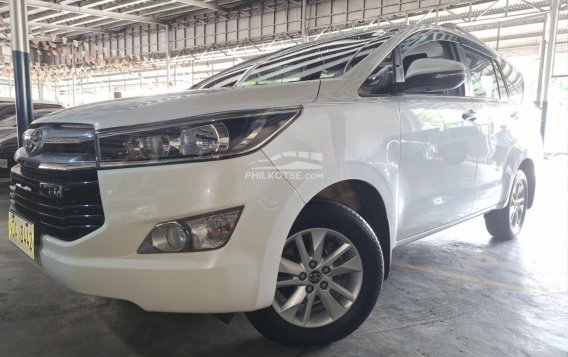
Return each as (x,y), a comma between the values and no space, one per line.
(193,139)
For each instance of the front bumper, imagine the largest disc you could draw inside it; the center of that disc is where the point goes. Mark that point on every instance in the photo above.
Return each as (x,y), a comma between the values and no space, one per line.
(238,277)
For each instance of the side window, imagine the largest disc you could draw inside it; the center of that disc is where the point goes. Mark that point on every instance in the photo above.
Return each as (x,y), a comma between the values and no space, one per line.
(363,52)
(313,61)
(483,80)
(431,49)
(380,81)
(428,44)
(226,79)
(514,81)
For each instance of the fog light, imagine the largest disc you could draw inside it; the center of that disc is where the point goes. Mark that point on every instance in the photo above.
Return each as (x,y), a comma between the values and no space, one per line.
(170,237)
(212,231)
(206,232)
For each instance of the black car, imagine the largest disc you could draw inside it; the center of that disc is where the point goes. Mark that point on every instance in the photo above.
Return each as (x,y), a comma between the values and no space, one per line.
(9,139)
(8,108)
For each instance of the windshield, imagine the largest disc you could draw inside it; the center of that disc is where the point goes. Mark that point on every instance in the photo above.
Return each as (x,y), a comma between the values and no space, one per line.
(323,59)
(230,76)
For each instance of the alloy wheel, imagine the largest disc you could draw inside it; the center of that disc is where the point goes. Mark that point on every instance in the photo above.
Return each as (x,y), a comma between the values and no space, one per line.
(517,207)
(319,278)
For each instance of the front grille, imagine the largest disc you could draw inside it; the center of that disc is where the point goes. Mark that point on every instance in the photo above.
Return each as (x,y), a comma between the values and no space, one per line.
(9,146)
(76,213)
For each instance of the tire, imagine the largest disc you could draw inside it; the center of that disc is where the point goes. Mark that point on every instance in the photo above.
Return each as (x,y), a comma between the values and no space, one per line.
(507,223)
(358,273)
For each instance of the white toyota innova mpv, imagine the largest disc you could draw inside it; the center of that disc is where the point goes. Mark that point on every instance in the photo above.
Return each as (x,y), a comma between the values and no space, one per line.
(280,186)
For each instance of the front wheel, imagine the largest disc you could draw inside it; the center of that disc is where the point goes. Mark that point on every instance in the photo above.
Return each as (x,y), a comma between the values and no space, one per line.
(508,222)
(329,279)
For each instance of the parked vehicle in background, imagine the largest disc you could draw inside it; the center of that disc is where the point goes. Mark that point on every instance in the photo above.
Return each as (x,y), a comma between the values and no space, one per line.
(281,186)
(9,138)
(8,106)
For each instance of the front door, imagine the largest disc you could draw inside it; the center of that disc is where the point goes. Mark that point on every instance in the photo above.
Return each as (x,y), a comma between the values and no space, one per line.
(438,146)
(438,162)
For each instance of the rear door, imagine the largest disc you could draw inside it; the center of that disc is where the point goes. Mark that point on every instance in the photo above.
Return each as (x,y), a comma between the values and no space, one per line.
(495,121)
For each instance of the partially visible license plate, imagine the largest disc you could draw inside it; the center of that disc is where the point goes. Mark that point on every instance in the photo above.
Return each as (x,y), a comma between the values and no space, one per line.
(3,164)
(21,233)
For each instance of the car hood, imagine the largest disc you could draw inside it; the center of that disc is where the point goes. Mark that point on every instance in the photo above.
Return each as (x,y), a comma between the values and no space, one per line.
(5,131)
(152,109)
(9,144)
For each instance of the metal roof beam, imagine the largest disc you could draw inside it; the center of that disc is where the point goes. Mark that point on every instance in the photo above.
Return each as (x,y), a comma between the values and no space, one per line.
(61,27)
(535,45)
(100,22)
(139,9)
(66,27)
(87,11)
(44,14)
(69,17)
(535,19)
(519,36)
(206,5)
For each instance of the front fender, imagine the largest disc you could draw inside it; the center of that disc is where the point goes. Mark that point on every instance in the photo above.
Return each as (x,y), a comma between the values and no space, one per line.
(335,142)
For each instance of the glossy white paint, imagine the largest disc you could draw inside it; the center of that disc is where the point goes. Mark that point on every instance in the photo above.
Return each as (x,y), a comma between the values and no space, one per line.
(438,161)
(357,140)
(427,162)
(506,138)
(238,277)
(152,109)
(494,143)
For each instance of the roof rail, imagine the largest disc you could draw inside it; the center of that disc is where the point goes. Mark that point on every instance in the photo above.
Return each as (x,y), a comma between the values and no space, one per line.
(455,27)
(450,25)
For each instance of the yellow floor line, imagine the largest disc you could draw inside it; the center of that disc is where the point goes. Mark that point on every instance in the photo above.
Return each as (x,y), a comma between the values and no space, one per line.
(475,280)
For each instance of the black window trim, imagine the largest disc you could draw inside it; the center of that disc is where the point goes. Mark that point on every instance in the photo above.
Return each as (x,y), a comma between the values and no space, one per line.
(491,58)
(503,80)
(374,36)
(398,71)
(506,79)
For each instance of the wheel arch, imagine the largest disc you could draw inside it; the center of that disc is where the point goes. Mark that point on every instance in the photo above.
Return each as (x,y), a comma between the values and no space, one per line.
(366,200)
(528,167)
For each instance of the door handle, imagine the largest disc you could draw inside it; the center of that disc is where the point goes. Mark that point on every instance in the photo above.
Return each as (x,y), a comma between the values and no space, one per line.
(469,115)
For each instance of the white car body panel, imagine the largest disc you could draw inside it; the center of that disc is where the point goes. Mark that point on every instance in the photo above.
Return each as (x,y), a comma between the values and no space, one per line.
(378,140)
(438,160)
(239,277)
(152,109)
(355,143)
(518,142)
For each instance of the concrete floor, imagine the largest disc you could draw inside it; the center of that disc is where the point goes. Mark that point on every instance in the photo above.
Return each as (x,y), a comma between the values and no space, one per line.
(458,292)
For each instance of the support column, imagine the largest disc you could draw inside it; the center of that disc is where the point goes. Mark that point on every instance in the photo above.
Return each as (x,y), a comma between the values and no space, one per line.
(20,59)
(498,35)
(10,84)
(40,83)
(549,61)
(168,59)
(541,62)
(73,83)
(304,18)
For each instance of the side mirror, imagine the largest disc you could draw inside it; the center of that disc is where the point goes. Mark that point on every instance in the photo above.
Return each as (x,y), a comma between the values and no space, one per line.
(433,75)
